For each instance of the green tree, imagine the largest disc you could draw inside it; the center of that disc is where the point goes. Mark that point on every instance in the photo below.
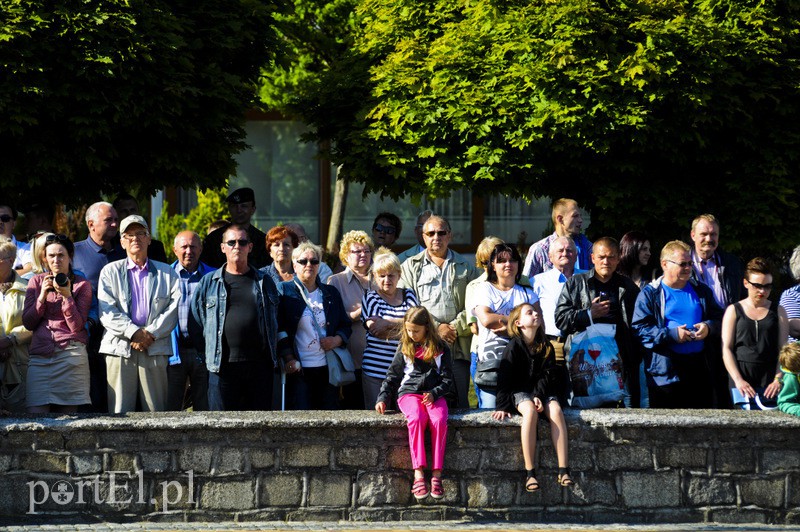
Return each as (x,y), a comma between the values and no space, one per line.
(211,206)
(646,112)
(99,95)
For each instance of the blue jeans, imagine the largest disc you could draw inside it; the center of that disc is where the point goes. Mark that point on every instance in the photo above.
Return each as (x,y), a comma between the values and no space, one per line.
(487,398)
(473,367)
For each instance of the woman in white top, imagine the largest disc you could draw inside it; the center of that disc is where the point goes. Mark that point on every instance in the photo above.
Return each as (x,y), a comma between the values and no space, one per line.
(494,299)
(382,312)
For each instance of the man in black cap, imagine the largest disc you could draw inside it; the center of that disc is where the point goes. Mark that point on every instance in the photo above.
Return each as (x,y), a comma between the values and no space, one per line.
(242,205)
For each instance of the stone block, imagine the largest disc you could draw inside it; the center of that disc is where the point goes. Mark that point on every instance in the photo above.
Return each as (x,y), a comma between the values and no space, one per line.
(651,490)
(580,457)
(624,458)
(682,457)
(121,440)
(262,458)
(374,515)
(178,493)
(43,462)
(121,462)
(360,457)
(399,457)
(15,495)
(20,441)
(305,456)
(227,495)
(168,439)
(738,515)
(49,441)
(780,460)
(427,514)
(156,461)
(502,459)
(794,490)
(761,492)
(197,459)
(378,489)
(490,492)
(738,460)
(707,491)
(85,464)
(461,459)
(120,492)
(6,460)
(316,514)
(592,490)
(78,441)
(330,490)
(231,460)
(280,490)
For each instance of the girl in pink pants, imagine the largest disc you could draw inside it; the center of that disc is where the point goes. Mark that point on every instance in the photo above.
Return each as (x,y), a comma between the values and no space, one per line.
(421,376)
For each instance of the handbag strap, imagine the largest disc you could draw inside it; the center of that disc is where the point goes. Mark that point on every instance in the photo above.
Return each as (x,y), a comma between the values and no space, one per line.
(304,294)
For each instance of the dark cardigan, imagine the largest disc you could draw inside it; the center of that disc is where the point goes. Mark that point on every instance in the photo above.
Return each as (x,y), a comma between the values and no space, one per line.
(523,371)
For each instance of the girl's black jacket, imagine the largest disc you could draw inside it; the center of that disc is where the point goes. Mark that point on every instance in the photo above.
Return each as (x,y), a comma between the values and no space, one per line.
(523,371)
(421,378)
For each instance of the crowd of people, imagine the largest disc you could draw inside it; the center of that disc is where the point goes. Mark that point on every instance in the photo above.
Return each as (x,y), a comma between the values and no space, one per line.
(247,320)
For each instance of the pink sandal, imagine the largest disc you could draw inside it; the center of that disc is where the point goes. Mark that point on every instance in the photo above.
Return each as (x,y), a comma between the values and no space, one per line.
(419,489)
(437,488)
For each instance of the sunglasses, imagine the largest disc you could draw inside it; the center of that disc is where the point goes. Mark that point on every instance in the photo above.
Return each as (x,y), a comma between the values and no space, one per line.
(303,262)
(242,243)
(388,229)
(5,218)
(59,238)
(431,234)
(685,264)
(760,286)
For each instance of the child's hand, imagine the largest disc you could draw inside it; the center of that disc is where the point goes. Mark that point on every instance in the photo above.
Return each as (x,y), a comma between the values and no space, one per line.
(427,398)
(537,403)
(500,415)
(380,407)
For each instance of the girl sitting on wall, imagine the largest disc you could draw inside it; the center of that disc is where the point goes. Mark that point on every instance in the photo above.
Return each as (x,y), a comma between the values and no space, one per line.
(530,382)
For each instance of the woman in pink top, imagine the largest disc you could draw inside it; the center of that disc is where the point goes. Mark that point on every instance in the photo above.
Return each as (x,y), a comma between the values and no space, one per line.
(56,309)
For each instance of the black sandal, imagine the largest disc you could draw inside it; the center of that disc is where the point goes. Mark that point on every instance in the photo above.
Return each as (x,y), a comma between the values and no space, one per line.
(564,477)
(531,484)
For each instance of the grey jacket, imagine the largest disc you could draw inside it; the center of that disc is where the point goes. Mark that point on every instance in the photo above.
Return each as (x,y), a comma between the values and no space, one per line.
(114,300)
(209,306)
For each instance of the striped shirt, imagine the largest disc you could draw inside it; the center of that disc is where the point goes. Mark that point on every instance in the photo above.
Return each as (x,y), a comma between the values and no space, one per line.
(379,353)
(790,301)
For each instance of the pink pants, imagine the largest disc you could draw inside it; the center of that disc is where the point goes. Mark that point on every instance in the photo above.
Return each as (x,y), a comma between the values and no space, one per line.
(418,417)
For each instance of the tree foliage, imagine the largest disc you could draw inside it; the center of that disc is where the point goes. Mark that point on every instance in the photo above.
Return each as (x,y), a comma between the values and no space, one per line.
(105,95)
(211,206)
(647,112)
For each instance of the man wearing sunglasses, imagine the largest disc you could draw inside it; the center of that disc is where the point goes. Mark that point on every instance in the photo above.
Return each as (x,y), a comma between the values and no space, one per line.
(676,318)
(138,300)
(8,218)
(236,310)
(242,207)
(439,276)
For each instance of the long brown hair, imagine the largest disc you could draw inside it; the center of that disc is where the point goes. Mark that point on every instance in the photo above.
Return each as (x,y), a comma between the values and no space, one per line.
(539,339)
(432,345)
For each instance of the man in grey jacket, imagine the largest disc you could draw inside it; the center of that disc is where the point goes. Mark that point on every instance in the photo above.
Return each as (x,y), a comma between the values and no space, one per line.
(439,276)
(138,303)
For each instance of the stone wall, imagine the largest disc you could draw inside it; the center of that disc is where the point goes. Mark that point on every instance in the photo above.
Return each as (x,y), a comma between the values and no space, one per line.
(630,467)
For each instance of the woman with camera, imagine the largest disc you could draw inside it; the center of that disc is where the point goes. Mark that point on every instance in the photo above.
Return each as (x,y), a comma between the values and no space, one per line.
(56,307)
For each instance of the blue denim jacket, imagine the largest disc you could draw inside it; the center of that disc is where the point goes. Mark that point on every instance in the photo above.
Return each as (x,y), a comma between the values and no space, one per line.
(209,307)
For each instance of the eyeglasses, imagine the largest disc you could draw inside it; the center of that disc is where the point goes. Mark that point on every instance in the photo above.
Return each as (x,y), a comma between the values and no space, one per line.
(303,262)
(767,286)
(388,229)
(5,218)
(361,251)
(431,234)
(687,264)
(232,243)
(134,236)
(59,238)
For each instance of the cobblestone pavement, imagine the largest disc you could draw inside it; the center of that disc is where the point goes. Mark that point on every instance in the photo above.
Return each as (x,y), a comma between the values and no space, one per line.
(456,526)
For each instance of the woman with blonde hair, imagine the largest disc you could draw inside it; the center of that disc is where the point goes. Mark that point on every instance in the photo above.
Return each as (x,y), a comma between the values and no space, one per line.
(14,337)
(355,252)
(382,311)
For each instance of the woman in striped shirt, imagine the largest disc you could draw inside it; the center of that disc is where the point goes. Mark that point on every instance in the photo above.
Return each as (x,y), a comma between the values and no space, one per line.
(382,311)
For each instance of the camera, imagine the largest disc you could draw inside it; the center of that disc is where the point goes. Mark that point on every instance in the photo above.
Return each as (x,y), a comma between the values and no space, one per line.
(61,280)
